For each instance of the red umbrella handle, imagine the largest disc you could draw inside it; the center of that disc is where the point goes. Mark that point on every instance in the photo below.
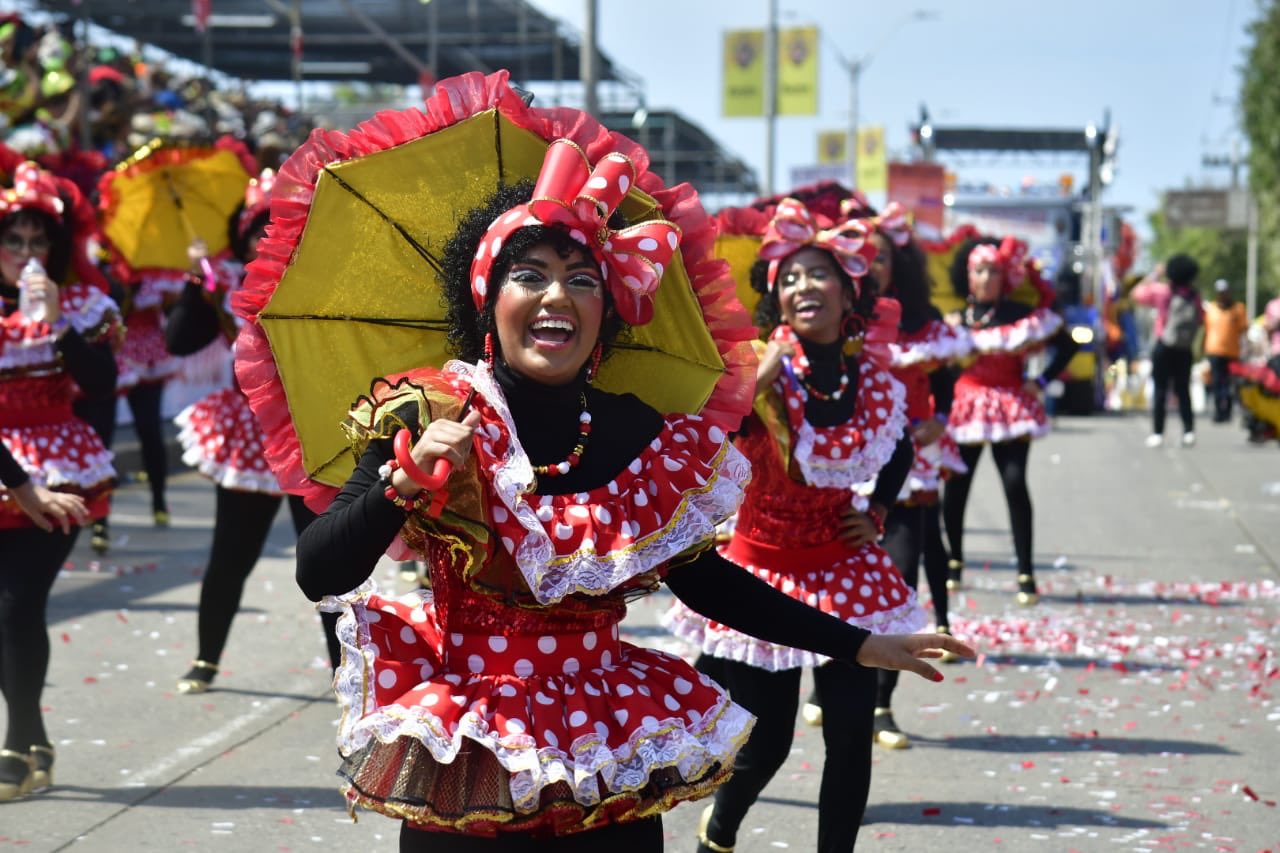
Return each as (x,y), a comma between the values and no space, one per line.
(431,482)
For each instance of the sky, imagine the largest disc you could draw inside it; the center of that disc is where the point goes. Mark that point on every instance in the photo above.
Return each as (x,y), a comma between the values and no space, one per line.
(1168,70)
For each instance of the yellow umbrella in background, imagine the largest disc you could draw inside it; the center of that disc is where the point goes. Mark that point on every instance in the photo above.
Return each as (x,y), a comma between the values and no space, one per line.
(162,197)
(358,291)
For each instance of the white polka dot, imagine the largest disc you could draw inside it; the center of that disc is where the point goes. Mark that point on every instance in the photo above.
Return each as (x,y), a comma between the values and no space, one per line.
(624,690)
(546,645)
(606,659)
(550,737)
(641,498)
(543,699)
(523,668)
(621,716)
(564,532)
(495,246)
(545,514)
(500,514)
(480,287)
(507,690)
(373,616)
(864,591)
(647,244)
(694,716)
(456,639)
(671,702)
(515,727)
(602,731)
(387,679)
(624,183)
(407,635)
(498,644)
(673,239)
(429,700)
(571,665)
(475,663)
(578,235)
(578,718)
(682,686)
(589,640)
(425,671)
(650,723)
(597,183)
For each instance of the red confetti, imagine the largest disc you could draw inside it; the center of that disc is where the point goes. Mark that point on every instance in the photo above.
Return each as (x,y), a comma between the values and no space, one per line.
(1027,765)
(931,811)
(120,615)
(89,679)
(66,638)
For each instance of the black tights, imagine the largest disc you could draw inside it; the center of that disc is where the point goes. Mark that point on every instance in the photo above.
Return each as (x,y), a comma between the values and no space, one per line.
(641,836)
(144,403)
(1171,366)
(911,532)
(848,694)
(1011,461)
(242,521)
(31,560)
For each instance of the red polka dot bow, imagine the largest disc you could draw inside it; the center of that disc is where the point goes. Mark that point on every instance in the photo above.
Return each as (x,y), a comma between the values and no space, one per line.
(894,222)
(572,195)
(33,189)
(793,228)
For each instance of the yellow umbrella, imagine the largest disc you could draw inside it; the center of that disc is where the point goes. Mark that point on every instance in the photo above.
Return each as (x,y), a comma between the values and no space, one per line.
(157,201)
(348,289)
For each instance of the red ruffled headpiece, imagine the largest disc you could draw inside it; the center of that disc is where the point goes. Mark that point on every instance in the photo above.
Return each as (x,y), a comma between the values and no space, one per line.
(257,200)
(571,195)
(793,228)
(33,189)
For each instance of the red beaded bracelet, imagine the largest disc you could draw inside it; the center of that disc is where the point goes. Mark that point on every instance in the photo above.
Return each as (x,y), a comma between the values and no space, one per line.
(877,518)
(405,458)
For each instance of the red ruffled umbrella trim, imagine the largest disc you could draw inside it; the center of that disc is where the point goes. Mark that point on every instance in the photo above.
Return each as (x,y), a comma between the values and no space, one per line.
(1045,293)
(1259,374)
(454,100)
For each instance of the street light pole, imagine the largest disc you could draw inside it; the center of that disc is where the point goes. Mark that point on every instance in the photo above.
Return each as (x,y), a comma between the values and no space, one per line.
(855,71)
(770,94)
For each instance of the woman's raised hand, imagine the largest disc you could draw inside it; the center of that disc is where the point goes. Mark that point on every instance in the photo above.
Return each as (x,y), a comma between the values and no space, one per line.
(771,363)
(442,439)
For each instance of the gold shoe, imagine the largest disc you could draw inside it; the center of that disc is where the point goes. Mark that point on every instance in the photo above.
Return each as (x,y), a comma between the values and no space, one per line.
(198,678)
(1027,595)
(161,517)
(42,767)
(954,570)
(19,789)
(101,540)
(811,714)
(886,732)
(947,656)
(703,841)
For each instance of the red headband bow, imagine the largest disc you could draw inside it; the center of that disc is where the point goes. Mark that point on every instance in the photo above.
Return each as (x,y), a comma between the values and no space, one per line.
(894,223)
(1010,258)
(793,229)
(573,196)
(33,189)
(257,199)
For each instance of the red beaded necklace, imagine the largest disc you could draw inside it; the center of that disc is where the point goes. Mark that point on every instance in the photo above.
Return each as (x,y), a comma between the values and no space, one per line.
(584,434)
(802,376)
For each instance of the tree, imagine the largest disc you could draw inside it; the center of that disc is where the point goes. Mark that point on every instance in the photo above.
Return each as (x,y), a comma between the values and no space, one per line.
(1221,254)
(1260,108)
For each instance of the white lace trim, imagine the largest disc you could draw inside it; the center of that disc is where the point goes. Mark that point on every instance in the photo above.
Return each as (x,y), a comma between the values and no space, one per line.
(93,306)
(551,577)
(726,643)
(91,470)
(949,344)
(1037,327)
(692,748)
(154,286)
(862,463)
(979,432)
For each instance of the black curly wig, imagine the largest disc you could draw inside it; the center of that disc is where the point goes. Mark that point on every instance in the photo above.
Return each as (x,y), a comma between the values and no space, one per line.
(59,259)
(959,271)
(768,314)
(237,238)
(467,326)
(911,284)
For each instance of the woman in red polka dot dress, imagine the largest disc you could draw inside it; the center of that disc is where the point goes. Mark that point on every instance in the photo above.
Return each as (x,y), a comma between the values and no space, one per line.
(55,344)
(828,417)
(995,401)
(499,710)
(221,438)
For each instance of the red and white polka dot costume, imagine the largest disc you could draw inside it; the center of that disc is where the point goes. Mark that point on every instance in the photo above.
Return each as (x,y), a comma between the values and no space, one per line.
(219,434)
(143,357)
(515,649)
(786,532)
(991,402)
(58,450)
(914,356)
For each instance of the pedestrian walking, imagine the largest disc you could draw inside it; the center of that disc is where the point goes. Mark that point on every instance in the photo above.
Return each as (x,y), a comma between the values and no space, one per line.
(1179,319)
(1225,323)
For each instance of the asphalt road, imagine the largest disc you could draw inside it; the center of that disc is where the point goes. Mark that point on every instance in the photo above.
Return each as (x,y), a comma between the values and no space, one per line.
(1133,709)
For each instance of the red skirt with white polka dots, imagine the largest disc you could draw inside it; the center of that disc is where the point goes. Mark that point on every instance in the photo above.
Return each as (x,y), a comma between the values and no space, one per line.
(221,438)
(861,586)
(144,356)
(63,455)
(982,413)
(552,732)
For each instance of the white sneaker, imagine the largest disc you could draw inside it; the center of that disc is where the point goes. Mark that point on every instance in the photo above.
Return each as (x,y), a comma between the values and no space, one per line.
(1188,439)
(1155,440)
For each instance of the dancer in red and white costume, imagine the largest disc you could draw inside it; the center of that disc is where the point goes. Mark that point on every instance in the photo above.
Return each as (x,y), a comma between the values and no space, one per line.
(829,416)
(56,342)
(996,402)
(221,438)
(502,703)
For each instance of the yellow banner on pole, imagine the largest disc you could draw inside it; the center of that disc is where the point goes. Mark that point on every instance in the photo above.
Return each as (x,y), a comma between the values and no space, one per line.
(798,71)
(833,146)
(743,73)
(873,167)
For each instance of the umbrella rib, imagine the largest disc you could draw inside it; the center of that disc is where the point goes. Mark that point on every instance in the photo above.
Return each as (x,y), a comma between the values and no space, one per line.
(411,322)
(497,146)
(418,247)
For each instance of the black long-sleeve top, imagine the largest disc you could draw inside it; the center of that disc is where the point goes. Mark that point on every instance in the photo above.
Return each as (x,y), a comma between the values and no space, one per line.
(91,364)
(11,473)
(192,322)
(338,551)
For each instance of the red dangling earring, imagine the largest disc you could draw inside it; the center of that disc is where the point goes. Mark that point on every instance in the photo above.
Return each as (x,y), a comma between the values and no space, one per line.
(488,348)
(596,355)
